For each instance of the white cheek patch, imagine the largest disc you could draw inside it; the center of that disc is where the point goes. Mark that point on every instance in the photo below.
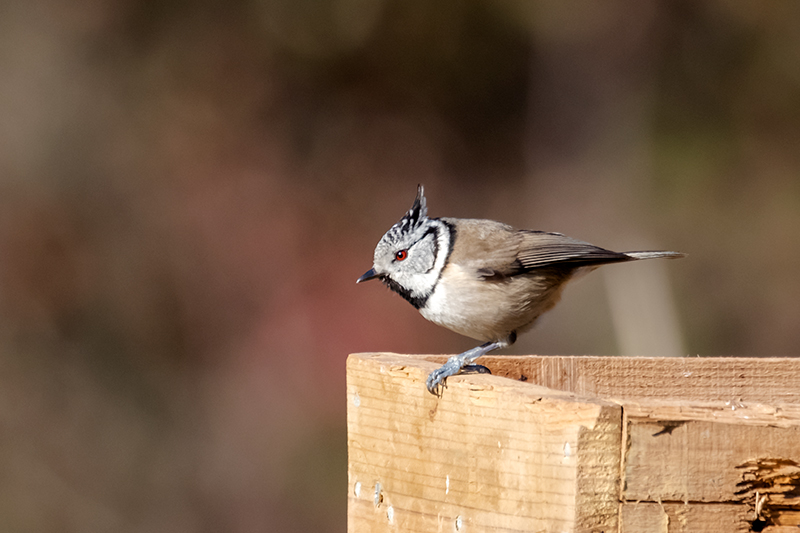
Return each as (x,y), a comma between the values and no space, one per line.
(420,259)
(430,265)
(443,247)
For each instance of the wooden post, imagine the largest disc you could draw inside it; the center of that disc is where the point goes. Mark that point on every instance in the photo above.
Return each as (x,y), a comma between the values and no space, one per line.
(562,444)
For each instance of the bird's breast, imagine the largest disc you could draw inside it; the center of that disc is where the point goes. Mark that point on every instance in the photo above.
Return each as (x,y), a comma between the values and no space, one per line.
(486,310)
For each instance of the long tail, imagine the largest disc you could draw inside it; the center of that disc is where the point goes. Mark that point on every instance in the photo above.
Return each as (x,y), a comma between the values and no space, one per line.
(654,255)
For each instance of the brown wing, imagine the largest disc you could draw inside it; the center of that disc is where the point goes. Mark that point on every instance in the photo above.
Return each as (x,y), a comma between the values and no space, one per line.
(489,248)
(539,249)
(497,251)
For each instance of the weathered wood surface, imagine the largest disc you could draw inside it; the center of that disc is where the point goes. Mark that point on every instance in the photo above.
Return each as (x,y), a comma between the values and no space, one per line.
(651,517)
(738,380)
(699,461)
(490,455)
(575,444)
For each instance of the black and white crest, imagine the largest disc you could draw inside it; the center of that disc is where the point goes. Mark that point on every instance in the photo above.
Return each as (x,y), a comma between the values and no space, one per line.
(412,220)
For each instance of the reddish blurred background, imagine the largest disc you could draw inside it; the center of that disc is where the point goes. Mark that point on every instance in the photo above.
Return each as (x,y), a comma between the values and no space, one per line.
(188,191)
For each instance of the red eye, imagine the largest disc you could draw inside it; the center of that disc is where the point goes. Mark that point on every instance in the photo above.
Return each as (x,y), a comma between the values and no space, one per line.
(401,255)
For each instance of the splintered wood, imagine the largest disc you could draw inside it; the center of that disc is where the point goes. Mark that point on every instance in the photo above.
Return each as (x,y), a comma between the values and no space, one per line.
(588,444)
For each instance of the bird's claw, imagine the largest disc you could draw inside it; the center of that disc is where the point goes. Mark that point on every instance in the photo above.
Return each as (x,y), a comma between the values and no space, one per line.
(462,362)
(437,381)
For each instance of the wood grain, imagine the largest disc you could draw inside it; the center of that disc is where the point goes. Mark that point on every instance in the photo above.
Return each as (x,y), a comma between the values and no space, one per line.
(698,461)
(651,517)
(717,379)
(596,444)
(490,455)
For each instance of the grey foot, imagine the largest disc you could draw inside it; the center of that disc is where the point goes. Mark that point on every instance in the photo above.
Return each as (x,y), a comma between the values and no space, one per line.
(436,381)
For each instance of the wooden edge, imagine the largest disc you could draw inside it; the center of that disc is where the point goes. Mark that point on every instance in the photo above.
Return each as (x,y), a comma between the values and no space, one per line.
(739,413)
(417,367)
(735,381)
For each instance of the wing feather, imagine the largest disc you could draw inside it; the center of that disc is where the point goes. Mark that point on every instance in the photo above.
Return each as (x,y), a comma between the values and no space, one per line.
(495,250)
(540,249)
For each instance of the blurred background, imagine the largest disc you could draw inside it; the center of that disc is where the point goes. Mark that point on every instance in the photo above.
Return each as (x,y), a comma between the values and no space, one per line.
(189,189)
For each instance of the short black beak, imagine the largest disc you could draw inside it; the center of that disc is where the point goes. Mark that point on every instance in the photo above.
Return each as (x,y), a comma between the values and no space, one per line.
(368,275)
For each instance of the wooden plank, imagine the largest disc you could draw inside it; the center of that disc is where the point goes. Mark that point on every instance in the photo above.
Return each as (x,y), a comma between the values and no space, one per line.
(719,379)
(750,414)
(651,517)
(697,460)
(711,445)
(490,455)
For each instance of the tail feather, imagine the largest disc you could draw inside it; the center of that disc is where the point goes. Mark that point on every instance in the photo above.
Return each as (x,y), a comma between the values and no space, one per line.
(654,255)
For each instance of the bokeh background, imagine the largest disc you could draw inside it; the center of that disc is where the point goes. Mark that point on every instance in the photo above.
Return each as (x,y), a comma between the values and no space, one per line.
(189,189)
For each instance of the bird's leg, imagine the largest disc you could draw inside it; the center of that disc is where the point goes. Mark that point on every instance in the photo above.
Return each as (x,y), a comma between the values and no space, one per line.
(454,365)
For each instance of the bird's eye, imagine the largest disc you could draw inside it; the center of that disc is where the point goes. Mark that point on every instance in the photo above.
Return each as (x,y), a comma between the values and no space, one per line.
(401,255)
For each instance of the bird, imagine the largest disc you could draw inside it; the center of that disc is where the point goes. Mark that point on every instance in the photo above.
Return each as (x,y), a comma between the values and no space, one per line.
(481,278)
